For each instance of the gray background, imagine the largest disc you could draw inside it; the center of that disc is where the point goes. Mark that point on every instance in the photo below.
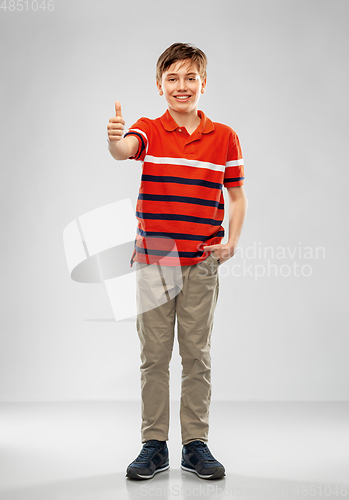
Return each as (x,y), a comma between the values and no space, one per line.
(278,75)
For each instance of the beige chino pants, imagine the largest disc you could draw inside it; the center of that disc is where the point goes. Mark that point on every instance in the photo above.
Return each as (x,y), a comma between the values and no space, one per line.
(194,306)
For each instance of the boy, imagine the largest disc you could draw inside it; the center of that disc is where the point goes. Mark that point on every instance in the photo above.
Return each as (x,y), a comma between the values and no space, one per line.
(186,161)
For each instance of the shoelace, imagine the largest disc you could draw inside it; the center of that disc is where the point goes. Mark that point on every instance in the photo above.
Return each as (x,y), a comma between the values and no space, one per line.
(202,450)
(146,453)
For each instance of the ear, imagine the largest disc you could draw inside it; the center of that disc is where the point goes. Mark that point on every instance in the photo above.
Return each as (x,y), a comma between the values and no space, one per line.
(203,86)
(159,87)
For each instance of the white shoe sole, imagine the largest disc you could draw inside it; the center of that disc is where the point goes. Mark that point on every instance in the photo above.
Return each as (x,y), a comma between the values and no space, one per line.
(200,475)
(135,475)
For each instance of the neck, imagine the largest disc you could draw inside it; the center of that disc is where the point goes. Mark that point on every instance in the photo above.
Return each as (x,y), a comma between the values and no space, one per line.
(189,120)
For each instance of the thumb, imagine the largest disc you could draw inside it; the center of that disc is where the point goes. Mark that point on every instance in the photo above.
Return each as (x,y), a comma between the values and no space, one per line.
(118,109)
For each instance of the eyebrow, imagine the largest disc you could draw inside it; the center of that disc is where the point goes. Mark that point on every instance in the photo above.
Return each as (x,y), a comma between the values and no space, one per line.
(175,74)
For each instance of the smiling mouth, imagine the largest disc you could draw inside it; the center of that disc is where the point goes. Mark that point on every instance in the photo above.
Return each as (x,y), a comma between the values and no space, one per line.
(182,98)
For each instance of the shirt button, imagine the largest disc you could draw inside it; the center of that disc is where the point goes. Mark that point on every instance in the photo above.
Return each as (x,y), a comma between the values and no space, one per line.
(179,130)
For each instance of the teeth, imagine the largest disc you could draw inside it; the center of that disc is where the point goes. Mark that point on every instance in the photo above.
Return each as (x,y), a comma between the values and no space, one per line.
(182,97)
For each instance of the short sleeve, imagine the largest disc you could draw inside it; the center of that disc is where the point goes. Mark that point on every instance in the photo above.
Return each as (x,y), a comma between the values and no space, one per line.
(234,167)
(141,130)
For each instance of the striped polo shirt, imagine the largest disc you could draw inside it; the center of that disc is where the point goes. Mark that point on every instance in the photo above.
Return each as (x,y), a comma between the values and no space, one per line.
(180,206)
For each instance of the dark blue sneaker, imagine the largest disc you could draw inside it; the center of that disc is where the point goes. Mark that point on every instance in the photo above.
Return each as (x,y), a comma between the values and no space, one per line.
(197,458)
(153,458)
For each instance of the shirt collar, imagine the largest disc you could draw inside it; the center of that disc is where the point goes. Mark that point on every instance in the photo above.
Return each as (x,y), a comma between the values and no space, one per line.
(206,125)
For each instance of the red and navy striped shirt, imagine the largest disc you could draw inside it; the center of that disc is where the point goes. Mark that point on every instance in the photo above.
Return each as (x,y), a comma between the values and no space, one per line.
(180,206)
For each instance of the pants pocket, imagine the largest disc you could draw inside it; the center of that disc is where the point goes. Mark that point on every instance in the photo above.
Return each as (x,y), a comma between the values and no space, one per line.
(216,259)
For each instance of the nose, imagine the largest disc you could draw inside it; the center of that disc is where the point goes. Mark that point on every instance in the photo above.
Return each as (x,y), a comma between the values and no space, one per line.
(182,84)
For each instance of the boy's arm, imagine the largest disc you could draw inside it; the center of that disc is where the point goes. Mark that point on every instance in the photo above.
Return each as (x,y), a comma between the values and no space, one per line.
(124,148)
(237,212)
(119,148)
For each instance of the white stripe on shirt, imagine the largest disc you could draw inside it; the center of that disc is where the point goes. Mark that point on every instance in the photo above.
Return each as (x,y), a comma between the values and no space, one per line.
(234,163)
(184,162)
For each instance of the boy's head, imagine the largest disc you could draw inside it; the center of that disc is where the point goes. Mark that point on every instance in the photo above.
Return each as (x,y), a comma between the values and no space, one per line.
(179,52)
(181,76)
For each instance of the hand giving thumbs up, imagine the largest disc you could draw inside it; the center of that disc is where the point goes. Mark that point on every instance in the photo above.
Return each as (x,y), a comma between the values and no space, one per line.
(116,124)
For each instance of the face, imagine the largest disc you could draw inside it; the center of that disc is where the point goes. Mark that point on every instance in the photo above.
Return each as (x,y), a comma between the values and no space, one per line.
(182,86)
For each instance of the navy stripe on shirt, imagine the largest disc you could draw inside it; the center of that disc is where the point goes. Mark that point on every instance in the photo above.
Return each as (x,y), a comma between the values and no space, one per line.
(182,180)
(234,179)
(179,236)
(181,199)
(162,253)
(179,217)
(142,139)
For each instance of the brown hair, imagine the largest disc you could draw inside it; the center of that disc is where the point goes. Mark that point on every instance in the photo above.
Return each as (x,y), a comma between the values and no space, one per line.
(177,52)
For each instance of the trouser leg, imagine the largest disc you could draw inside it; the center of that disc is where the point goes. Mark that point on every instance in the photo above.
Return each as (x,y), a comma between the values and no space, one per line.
(195,313)
(155,327)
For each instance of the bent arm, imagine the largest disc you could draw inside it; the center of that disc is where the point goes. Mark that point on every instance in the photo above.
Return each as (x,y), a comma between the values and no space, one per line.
(123,149)
(237,212)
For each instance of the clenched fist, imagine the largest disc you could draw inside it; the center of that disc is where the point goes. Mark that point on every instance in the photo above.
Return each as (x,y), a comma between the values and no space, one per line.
(116,125)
